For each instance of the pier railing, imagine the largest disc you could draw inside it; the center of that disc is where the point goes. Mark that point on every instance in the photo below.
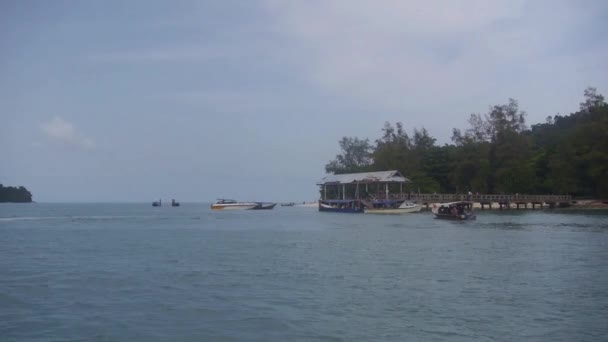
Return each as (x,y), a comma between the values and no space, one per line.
(517,198)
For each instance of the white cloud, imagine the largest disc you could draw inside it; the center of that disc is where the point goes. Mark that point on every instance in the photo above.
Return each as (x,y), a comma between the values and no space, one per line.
(63,131)
(406,55)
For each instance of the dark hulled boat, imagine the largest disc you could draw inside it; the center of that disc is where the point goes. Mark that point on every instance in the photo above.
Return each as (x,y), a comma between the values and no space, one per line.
(228,204)
(341,206)
(264,206)
(457,211)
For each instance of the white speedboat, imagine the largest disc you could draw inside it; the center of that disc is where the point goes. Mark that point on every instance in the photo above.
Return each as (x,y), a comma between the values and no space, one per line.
(392,207)
(228,204)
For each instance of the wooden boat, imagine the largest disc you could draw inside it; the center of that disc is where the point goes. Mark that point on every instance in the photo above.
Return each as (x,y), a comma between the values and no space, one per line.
(391,207)
(290,204)
(158,203)
(458,211)
(174,203)
(229,204)
(264,206)
(341,206)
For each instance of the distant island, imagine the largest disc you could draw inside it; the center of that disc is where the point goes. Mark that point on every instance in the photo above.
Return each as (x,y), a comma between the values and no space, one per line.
(14,194)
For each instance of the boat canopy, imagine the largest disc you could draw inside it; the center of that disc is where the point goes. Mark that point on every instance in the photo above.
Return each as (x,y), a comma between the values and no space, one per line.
(338,201)
(393,176)
(455,204)
(225,201)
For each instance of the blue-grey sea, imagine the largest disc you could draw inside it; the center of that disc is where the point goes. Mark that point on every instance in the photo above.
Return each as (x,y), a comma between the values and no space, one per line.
(131,272)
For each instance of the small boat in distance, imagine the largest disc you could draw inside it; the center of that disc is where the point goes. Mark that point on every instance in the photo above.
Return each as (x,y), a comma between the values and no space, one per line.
(264,206)
(229,204)
(458,211)
(341,206)
(391,207)
(289,204)
(158,203)
(174,203)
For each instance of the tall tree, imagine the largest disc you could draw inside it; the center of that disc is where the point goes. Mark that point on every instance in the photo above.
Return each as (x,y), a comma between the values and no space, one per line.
(356,156)
(592,100)
(496,153)
(392,151)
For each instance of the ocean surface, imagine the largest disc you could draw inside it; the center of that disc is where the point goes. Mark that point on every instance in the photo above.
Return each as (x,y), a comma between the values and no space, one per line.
(131,272)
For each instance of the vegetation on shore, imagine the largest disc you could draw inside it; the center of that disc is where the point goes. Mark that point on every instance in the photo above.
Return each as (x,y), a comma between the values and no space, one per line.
(497,153)
(14,194)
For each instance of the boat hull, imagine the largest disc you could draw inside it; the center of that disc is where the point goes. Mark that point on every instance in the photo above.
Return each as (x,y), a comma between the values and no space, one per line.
(455,217)
(234,206)
(394,211)
(324,207)
(264,206)
(454,211)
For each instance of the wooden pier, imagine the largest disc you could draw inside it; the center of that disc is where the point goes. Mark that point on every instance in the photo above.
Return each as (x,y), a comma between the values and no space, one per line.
(390,185)
(503,201)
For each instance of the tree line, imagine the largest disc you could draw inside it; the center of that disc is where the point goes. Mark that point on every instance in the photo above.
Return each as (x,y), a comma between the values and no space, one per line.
(14,194)
(496,153)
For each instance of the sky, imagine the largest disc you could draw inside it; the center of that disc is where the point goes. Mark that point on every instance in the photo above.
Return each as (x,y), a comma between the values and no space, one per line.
(132,101)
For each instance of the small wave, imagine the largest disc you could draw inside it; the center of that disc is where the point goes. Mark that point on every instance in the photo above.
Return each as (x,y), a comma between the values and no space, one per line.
(109,217)
(73,218)
(31,218)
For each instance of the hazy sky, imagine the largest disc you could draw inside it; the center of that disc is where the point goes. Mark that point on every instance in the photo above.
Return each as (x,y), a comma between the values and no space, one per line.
(138,100)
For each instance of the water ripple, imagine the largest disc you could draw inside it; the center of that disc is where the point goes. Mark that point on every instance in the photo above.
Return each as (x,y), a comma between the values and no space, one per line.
(132,272)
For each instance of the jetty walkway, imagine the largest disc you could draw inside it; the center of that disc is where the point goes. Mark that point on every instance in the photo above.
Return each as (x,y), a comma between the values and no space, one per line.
(503,201)
(377,185)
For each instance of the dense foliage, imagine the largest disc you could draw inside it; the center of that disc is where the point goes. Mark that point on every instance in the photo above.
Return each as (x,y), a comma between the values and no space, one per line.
(14,194)
(497,153)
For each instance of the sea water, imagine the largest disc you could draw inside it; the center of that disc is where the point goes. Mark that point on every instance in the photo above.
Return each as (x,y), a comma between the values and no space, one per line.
(132,272)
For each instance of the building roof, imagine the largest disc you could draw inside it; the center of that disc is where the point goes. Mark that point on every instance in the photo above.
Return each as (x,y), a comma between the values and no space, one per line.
(365,177)
(454,203)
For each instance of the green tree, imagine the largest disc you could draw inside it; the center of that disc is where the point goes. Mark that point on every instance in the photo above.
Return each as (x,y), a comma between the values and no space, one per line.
(392,151)
(422,163)
(592,100)
(14,194)
(356,156)
(496,153)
